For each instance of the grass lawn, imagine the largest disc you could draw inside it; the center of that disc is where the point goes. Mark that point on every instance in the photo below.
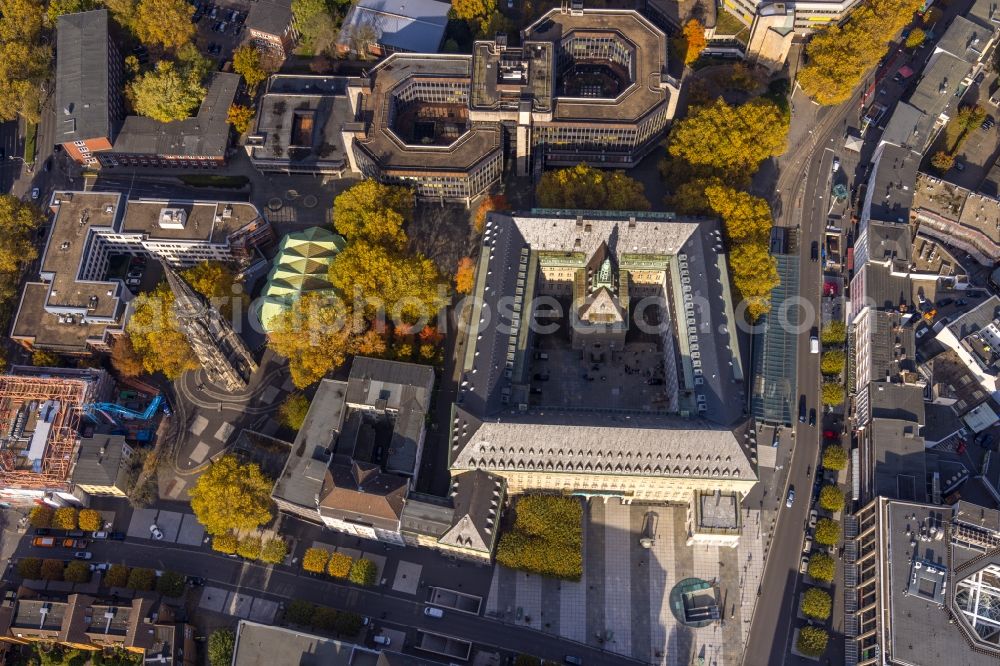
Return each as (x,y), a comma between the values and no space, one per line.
(30,142)
(199,180)
(726,24)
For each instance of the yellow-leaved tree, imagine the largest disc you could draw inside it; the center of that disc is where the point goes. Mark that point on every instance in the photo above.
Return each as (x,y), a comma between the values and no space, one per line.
(230,496)
(314,335)
(732,141)
(407,287)
(374,212)
(838,57)
(164,23)
(691,42)
(747,219)
(585,187)
(154,335)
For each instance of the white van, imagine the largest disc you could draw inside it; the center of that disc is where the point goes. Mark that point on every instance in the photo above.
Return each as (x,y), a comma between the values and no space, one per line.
(813,345)
(381,640)
(431,611)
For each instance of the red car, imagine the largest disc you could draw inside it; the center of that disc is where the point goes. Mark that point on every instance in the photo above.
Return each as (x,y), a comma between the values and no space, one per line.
(960,449)
(829,434)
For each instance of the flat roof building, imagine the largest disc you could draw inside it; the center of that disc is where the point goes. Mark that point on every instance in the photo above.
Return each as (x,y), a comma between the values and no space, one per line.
(587,85)
(925,591)
(74,307)
(300,125)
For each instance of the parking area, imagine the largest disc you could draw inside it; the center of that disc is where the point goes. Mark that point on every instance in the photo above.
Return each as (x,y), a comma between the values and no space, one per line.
(245,606)
(220,27)
(174,526)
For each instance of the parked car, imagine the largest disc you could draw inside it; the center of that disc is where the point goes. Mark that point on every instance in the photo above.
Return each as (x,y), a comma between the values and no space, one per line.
(836,164)
(155,532)
(100,566)
(575,661)
(945,302)
(959,166)
(195,581)
(116,536)
(43,542)
(807,546)
(812,417)
(791,497)
(382,640)
(34,193)
(813,517)
(541,376)
(99,535)
(42,531)
(804,564)
(74,543)
(431,611)
(82,555)
(960,302)
(972,293)
(76,534)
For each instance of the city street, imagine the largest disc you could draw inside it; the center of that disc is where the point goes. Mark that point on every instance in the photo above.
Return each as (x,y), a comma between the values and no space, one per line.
(280,584)
(804,192)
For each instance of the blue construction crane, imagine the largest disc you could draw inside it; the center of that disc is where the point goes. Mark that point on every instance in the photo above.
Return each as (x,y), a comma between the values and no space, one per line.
(110,409)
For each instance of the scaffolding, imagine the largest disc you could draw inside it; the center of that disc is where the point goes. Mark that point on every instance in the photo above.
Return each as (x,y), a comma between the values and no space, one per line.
(52,471)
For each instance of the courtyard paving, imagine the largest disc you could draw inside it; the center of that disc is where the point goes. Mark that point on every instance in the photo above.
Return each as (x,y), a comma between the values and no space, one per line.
(622,601)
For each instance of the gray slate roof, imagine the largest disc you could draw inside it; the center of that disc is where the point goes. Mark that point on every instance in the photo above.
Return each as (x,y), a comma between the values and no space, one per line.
(401,388)
(301,482)
(99,462)
(583,442)
(82,58)
(270,16)
(477,496)
(205,135)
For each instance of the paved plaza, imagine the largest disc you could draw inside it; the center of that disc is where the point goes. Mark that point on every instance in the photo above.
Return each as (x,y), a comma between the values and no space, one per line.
(622,601)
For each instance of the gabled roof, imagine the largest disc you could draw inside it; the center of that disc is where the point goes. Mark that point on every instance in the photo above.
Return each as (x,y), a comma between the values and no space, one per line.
(361,492)
(478,497)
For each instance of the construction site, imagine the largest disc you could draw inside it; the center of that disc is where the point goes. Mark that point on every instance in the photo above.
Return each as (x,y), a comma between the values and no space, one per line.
(44,413)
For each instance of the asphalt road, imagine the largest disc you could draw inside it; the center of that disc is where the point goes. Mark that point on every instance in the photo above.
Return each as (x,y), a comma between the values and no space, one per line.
(9,169)
(280,584)
(804,188)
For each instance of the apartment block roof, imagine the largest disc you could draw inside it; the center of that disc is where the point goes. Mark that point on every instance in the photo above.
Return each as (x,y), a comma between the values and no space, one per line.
(416,26)
(974,320)
(83,53)
(904,402)
(892,183)
(205,221)
(966,39)
(404,390)
(265,645)
(361,492)
(70,306)
(359,443)
(891,346)
(205,135)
